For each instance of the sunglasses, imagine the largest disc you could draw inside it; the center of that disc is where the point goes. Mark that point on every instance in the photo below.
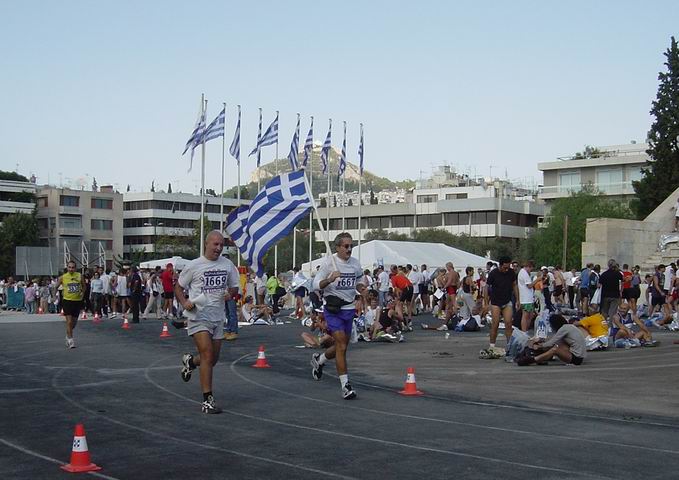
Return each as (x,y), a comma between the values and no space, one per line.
(348,246)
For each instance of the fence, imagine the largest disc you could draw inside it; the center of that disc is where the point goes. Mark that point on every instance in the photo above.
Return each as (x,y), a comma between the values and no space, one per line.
(43,261)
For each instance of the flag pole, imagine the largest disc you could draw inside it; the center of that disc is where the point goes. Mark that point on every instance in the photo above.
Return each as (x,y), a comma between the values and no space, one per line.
(360,198)
(344,179)
(259,159)
(202,182)
(327,203)
(311,194)
(275,248)
(324,234)
(221,195)
(237,161)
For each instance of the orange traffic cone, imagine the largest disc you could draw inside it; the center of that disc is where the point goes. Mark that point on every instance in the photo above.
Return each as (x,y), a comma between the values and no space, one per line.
(126,324)
(165,333)
(261,359)
(80,455)
(97,318)
(84,315)
(410,387)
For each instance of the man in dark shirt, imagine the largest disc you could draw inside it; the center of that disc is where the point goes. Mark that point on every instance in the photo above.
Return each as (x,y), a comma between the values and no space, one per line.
(135,293)
(611,287)
(501,285)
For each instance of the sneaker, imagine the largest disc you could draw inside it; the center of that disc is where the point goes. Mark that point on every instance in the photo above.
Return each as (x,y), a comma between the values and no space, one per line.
(348,393)
(70,343)
(424,326)
(442,328)
(177,325)
(401,339)
(186,369)
(209,406)
(316,368)
(389,337)
(230,336)
(279,322)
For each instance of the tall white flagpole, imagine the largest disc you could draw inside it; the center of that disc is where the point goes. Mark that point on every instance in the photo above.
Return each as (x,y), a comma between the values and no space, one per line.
(311,193)
(259,152)
(202,182)
(324,234)
(344,193)
(327,203)
(360,198)
(275,161)
(238,161)
(221,195)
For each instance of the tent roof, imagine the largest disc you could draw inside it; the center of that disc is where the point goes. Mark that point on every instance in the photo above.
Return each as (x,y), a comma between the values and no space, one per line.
(177,262)
(392,252)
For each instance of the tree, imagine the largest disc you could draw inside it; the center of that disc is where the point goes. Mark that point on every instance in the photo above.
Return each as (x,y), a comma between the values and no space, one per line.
(350,203)
(210,192)
(17,230)
(153,185)
(660,176)
(169,188)
(373,200)
(207,227)
(545,246)
(12,176)
(323,203)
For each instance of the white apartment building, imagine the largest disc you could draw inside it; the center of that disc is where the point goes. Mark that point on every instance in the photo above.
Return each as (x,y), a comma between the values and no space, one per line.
(14,197)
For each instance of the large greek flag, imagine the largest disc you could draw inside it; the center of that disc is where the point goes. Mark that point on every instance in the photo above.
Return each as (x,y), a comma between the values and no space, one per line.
(293,156)
(234,149)
(272,215)
(216,127)
(325,151)
(309,143)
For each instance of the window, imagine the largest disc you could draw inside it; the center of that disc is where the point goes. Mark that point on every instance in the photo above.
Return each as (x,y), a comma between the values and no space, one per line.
(456,218)
(455,196)
(103,203)
(69,201)
(42,201)
(70,221)
(352,223)
(335,224)
(433,220)
(569,181)
(511,218)
(402,221)
(608,179)
(101,224)
(42,223)
(376,223)
(634,174)
(427,198)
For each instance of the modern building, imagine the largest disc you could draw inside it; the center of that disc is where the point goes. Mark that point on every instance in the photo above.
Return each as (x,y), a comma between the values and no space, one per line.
(479,209)
(608,169)
(16,197)
(148,216)
(85,224)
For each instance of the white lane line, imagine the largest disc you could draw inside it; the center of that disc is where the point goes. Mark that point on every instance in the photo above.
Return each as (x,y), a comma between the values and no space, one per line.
(81,385)
(445,421)
(49,459)
(190,442)
(376,440)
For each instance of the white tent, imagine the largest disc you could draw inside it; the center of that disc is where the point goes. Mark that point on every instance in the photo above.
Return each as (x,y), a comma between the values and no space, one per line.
(392,252)
(177,262)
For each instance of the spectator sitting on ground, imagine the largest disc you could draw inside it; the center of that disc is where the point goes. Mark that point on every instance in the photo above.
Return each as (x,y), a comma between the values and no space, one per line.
(389,324)
(595,329)
(568,343)
(628,331)
(253,313)
(321,338)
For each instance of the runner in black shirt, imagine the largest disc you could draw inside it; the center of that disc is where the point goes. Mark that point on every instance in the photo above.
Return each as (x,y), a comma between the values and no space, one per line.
(501,284)
(611,288)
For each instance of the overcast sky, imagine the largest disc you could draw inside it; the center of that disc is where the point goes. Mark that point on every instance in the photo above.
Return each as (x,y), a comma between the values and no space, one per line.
(112,89)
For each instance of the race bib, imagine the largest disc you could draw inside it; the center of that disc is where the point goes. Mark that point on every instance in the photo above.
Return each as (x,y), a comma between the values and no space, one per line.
(215,281)
(346,281)
(73,288)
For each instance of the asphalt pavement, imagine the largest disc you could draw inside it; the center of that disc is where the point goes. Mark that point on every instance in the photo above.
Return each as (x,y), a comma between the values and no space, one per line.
(615,416)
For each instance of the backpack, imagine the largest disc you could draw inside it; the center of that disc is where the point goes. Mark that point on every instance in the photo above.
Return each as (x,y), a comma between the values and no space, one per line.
(593,280)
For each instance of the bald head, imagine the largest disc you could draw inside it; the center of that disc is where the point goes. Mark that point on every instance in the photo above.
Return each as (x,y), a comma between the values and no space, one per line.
(214,244)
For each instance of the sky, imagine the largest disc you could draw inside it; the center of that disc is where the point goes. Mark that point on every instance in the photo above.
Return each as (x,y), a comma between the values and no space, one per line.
(111,89)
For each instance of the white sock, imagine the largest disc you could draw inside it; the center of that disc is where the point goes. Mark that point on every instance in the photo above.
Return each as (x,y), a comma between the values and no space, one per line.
(492,345)
(322,359)
(344,379)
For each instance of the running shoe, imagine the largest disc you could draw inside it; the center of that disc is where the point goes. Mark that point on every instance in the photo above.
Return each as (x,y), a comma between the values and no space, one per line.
(348,393)
(210,407)
(186,369)
(424,326)
(178,325)
(442,328)
(70,343)
(316,368)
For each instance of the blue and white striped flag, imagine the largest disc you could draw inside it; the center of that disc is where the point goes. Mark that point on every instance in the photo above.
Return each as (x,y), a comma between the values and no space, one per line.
(269,138)
(272,215)
(234,149)
(196,136)
(309,144)
(216,127)
(258,148)
(343,157)
(360,153)
(293,156)
(325,151)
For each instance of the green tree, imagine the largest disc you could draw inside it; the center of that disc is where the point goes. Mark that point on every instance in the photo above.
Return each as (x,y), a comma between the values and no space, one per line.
(12,176)
(660,176)
(17,230)
(545,246)
(195,243)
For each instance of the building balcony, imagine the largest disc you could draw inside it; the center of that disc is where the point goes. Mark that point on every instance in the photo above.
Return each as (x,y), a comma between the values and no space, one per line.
(550,192)
(65,210)
(70,232)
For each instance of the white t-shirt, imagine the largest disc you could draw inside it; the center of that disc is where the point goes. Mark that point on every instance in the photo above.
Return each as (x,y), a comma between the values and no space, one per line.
(107,283)
(344,287)
(383,278)
(260,283)
(669,278)
(370,316)
(525,291)
(299,280)
(414,278)
(212,278)
(568,279)
(121,286)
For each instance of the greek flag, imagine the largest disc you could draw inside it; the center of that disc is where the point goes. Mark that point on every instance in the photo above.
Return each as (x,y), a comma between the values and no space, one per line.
(325,151)
(196,136)
(294,147)
(234,149)
(360,153)
(309,143)
(269,138)
(343,157)
(259,138)
(216,128)
(272,215)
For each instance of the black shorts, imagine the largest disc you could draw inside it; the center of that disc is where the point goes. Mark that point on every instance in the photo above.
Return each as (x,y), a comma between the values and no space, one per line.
(168,295)
(575,360)
(71,307)
(558,290)
(632,292)
(655,301)
(423,288)
(300,292)
(407,294)
(584,292)
(316,300)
